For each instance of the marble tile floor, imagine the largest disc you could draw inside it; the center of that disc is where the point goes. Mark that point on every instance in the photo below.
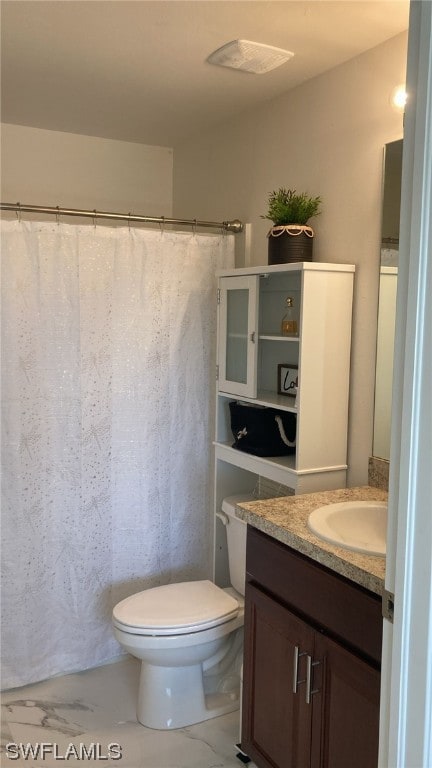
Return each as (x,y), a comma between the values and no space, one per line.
(98,707)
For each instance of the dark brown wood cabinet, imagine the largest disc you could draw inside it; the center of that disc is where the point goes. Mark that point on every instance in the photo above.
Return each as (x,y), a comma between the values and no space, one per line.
(311,679)
(279,722)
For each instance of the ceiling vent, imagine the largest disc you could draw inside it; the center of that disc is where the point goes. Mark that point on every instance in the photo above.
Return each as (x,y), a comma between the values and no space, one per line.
(249,57)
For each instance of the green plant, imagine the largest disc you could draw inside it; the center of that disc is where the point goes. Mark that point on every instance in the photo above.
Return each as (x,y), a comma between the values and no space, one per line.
(287,207)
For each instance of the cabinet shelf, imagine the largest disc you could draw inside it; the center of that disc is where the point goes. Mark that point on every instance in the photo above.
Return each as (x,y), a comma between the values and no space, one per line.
(263,336)
(267,398)
(273,467)
(277,337)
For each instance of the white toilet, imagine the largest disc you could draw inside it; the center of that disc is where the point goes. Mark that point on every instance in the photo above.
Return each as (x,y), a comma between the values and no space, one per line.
(189,638)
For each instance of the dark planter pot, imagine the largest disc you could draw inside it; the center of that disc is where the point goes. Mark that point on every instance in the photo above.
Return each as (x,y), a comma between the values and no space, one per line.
(290,244)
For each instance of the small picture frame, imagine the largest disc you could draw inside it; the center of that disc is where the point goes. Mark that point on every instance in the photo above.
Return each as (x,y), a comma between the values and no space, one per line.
(287,382)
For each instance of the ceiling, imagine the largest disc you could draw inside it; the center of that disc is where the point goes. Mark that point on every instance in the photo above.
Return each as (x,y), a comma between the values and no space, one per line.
(136,71)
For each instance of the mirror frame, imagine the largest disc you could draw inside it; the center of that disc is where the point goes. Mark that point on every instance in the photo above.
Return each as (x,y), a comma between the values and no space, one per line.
(389,260)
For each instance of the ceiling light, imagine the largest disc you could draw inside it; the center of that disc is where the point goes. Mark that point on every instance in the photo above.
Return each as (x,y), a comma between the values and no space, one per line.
(399,97)
(249,57)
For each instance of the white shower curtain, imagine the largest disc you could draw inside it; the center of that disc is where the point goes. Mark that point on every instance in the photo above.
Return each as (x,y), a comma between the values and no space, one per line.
(107,374)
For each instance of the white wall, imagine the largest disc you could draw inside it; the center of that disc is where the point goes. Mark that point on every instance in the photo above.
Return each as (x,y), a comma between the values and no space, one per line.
(52,168)
(326,137)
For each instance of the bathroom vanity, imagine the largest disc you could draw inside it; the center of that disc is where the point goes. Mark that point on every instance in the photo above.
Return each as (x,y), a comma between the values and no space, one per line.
(313,632)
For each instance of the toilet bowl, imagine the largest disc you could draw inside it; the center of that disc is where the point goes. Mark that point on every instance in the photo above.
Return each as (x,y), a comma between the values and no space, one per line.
(189,638)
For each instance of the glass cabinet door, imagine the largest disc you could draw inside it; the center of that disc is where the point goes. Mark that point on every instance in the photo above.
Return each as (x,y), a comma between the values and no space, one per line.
(238,335)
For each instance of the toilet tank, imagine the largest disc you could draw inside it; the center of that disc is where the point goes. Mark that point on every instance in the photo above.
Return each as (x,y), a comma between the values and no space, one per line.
(236,540)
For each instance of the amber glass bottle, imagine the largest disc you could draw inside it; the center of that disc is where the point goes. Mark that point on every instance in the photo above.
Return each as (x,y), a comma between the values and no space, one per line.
(289,322)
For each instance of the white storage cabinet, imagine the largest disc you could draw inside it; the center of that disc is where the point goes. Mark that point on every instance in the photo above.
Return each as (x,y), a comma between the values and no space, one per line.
(251,304)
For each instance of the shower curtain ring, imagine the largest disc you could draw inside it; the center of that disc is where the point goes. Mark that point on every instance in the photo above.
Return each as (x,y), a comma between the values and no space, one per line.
(58,215)
(94,217)
(162,224)
(18,212)
(129,220)
(194,227)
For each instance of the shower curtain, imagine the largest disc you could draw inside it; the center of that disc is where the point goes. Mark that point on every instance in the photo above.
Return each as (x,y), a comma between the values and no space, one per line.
(107,375)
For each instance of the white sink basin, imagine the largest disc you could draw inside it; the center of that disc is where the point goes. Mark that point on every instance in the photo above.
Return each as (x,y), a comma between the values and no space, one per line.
(357,525)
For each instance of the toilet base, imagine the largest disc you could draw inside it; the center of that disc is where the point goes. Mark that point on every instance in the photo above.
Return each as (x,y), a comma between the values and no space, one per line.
(174,697)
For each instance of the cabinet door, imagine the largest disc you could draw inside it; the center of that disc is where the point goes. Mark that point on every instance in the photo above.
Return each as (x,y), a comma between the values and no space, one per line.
(238,335)
(345,708)
(276,728)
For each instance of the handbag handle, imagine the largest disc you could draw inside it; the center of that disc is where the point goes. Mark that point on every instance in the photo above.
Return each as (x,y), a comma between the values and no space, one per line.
(282,432)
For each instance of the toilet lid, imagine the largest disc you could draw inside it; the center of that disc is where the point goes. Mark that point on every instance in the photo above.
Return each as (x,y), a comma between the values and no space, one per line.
(175,609)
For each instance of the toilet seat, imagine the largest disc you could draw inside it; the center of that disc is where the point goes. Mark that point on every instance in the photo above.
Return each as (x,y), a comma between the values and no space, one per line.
(175,609)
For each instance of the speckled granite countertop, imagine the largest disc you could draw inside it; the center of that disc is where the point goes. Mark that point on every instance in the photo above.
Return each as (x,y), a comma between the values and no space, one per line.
(285,519)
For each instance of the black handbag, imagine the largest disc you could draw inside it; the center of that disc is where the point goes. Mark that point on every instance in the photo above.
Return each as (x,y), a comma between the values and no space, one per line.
(262,431)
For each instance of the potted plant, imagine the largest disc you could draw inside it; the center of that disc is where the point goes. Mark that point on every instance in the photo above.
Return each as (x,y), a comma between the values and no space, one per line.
(290,239)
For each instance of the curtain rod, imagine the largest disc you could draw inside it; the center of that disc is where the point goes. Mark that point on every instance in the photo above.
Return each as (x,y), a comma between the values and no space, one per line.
(234,226)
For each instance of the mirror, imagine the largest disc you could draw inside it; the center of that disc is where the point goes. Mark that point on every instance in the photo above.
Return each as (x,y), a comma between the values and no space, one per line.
(389,262)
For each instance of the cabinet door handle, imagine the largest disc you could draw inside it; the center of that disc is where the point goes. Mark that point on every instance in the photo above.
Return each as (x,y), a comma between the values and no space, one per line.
(252,337)
(309,690)
(296,681)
